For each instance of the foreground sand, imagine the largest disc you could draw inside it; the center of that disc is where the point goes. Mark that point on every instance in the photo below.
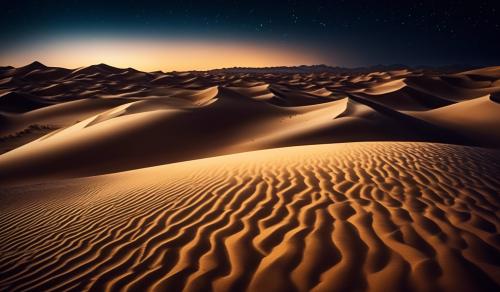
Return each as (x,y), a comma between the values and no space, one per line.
(336,217)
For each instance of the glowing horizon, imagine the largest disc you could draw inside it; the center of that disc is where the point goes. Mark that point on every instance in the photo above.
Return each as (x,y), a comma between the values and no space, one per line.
(167,54)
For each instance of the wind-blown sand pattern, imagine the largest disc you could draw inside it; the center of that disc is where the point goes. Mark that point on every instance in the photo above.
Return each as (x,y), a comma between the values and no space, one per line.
(99,114)
(114,179)
(380,216)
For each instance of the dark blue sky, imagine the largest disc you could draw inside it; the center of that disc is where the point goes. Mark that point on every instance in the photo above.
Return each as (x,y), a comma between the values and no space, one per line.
(363,32)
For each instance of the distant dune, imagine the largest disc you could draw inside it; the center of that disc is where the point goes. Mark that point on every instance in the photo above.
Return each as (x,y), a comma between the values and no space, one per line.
(116,179)
(106,114)
(477,118)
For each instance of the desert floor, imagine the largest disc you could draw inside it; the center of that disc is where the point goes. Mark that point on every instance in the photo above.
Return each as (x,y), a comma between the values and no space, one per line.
(116,179)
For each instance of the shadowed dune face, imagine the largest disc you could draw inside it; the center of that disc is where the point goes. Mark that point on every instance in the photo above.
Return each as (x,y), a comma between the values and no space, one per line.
(337,217)
(100,119)
(476,118)
(381,216)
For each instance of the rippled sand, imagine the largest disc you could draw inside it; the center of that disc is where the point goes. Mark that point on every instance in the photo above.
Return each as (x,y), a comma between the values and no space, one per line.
(387,216)
(226,204)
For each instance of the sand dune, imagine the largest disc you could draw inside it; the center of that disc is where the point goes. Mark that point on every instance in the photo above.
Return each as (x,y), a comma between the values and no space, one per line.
(323,216)
(478,118)
(378,216)
(405,98)
(103,114)
(456,91)
(488,73)
(16,102)
(150,136)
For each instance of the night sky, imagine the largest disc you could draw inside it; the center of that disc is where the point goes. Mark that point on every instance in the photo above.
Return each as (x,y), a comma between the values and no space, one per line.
(343,33)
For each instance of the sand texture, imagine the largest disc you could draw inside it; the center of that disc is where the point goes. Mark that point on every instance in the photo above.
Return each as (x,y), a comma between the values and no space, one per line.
(383,216)
(120,180)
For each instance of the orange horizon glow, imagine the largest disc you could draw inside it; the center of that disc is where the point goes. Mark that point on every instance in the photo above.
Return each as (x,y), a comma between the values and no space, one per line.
(166,55)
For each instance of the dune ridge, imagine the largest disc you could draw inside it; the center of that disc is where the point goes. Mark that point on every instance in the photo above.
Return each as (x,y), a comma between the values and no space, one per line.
(116,179)
(101,114)
(356,216)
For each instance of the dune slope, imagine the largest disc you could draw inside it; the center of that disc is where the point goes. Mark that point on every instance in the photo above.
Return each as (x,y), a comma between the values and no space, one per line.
(476,118)
(335,217)
(101,119)
(143,133)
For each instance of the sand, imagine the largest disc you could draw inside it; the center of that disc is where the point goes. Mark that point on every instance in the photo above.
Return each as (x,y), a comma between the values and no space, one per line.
(116,179)
(477,118)
(335,217)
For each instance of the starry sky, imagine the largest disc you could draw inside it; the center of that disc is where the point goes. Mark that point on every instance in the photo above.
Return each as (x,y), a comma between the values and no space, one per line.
(212,34)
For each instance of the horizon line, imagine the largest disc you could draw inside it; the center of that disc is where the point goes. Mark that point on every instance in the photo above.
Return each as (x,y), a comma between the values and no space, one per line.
(269,67)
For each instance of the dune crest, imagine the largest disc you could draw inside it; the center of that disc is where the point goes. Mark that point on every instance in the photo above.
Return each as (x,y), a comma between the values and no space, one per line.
(116,179)
(107,119)
(478,118)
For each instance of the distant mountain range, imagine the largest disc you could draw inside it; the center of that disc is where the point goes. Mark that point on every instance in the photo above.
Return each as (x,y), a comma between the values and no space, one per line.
(336,69)
(285,69)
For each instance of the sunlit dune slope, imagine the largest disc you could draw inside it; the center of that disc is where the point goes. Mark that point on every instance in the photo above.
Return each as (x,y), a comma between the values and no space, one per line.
(100,119)
(144,133)
(478,118)
(337,217)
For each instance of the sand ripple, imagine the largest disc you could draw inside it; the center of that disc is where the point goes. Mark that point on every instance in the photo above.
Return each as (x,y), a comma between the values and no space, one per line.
(356,216)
